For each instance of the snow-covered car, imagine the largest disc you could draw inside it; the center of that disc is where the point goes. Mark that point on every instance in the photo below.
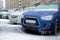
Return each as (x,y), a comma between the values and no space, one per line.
(44,19)
(4,14)
(15,17)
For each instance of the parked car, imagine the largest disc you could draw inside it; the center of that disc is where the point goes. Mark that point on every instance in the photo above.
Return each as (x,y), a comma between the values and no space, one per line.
(4,14)
(43,19)
(59,16)
(15,17)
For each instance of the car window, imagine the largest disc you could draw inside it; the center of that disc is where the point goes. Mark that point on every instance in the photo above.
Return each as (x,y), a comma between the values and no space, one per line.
(47,6)
(3,10)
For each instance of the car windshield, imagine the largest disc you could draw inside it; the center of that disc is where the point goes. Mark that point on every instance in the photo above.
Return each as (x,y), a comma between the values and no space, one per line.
(47,6)
(3,10)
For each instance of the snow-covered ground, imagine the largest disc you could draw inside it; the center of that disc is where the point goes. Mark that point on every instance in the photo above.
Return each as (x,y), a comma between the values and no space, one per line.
(4,20)
(14,32)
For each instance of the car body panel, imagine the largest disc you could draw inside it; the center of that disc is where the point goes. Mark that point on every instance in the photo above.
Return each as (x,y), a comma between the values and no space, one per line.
(40,13)
(15,17)
(4,14)
(43,22)
(59,14)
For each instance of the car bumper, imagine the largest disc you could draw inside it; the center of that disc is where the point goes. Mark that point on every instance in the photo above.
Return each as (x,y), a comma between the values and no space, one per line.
(15,21)
(41,26)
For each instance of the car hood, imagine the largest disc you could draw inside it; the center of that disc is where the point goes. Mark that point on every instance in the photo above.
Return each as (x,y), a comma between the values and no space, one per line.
(4,12)
(39,13)
(17,13)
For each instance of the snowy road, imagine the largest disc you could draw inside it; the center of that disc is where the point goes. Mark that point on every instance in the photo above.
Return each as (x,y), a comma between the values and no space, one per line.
(14,32)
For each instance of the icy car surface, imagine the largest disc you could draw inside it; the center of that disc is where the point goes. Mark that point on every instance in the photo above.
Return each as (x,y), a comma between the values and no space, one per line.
(42,19)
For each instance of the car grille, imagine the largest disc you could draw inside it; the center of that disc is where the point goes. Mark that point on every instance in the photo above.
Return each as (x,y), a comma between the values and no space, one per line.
(0,16)
(14,16)
(33,21)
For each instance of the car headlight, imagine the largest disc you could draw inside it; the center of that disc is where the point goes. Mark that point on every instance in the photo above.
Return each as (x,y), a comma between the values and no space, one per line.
(13,16)
(47,17)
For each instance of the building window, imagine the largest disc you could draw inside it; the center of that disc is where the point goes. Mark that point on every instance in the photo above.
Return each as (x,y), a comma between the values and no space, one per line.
(37,4)
(20,7)
(19,1)
(12,1)
(20,4)
(33,0)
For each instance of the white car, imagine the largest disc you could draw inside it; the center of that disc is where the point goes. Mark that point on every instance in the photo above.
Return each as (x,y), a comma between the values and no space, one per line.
(4,14)
(15,17)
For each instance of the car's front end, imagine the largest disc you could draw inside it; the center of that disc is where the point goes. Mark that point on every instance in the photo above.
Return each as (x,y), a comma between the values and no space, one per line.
(4,14)
(15,17)
(42,21)
(12,18)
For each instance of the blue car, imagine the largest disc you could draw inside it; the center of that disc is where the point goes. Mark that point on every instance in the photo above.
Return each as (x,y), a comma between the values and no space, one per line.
(43,20)
(59,15)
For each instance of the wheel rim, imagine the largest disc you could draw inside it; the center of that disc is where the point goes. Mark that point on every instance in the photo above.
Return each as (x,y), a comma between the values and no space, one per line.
(56,26)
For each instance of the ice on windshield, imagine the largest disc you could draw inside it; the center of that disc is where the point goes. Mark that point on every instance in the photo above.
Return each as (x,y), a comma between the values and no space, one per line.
(45,7)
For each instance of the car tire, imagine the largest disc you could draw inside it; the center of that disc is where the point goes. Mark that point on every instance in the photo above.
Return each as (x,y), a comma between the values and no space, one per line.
(56,28)
(39,32)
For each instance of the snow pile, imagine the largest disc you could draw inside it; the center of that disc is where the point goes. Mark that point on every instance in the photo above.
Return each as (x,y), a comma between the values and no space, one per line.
(4,21)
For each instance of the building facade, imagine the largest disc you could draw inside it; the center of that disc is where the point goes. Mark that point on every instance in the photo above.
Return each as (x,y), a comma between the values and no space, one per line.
(58,1)
(1,4)
(12,4)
